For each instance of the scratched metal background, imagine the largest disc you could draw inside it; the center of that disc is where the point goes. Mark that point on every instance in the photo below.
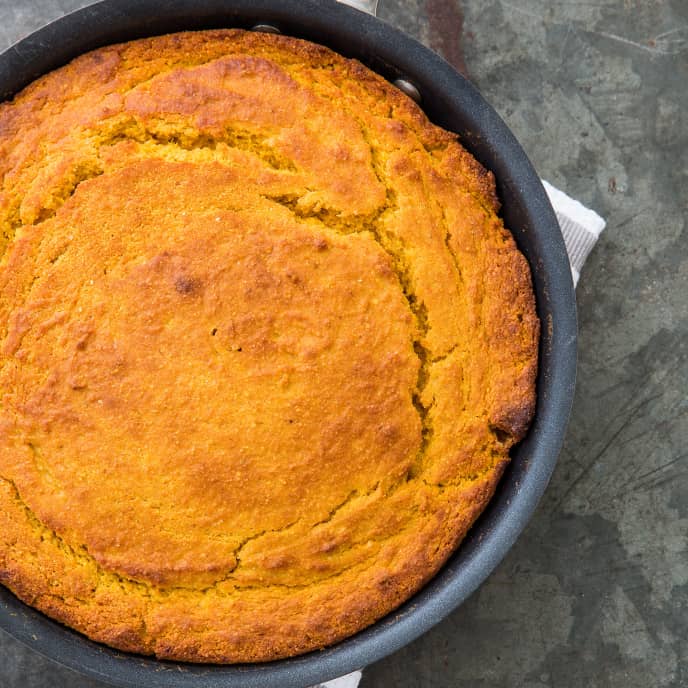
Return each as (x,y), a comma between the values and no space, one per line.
(595,594)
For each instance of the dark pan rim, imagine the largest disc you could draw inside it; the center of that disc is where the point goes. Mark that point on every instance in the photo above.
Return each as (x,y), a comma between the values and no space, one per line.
(452,102)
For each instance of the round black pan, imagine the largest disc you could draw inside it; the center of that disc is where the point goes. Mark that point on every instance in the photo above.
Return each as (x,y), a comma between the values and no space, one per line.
(452,102)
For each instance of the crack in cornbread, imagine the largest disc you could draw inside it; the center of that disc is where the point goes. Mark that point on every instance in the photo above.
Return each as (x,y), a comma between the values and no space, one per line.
(265,345)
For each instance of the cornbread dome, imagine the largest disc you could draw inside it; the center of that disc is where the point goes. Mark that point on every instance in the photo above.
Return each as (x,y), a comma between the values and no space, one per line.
(265,345)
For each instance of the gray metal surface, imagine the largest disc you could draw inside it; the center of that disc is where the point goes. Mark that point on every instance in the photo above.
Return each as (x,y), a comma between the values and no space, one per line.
(595,593)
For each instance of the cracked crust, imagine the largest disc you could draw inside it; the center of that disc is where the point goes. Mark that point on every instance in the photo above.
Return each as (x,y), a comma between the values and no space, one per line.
(264,346)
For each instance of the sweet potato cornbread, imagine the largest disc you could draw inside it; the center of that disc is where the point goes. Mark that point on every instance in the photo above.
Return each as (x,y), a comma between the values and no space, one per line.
(264,346)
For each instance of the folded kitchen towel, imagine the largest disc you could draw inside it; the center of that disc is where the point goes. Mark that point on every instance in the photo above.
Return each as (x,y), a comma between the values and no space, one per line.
(581,228)
(348,681)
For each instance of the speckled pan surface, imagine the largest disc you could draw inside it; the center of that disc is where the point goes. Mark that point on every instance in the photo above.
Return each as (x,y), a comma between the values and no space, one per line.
(450,586)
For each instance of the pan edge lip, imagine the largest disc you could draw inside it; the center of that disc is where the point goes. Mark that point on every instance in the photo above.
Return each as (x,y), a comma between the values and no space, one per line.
(444,592)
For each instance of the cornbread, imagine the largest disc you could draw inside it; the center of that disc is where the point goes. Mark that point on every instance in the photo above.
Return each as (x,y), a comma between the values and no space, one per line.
(265,345)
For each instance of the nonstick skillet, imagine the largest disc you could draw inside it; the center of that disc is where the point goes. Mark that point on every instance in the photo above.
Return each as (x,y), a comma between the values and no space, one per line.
(453,103)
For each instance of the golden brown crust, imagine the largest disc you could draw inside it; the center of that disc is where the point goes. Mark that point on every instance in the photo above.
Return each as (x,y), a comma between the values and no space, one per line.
(264,346)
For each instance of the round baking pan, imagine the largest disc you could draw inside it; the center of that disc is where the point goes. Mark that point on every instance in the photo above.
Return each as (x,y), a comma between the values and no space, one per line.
(453,103)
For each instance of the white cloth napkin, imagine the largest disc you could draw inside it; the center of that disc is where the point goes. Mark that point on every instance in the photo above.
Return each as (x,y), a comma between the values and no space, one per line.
(349,681)
(581,228)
